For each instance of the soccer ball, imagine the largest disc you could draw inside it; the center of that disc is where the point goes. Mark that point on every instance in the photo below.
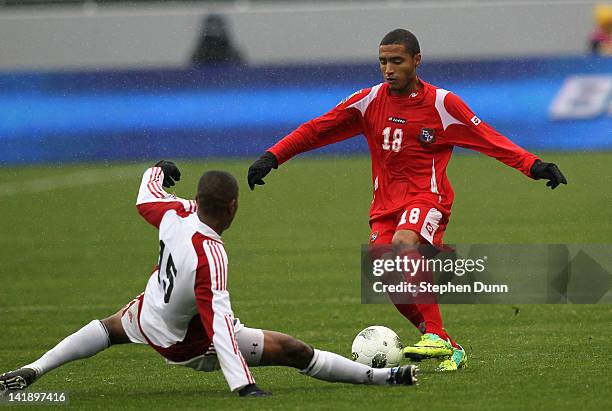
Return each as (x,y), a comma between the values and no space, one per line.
(377,347)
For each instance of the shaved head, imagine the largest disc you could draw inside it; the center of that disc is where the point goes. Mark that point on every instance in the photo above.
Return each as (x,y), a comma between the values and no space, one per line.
(217,191)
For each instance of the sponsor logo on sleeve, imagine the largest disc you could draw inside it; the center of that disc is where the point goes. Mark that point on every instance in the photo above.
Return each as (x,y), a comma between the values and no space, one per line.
(475,120)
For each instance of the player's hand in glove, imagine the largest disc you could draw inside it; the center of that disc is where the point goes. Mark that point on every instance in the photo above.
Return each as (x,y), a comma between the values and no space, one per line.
(260,168)
(253,390)
(171,172)
(548,171)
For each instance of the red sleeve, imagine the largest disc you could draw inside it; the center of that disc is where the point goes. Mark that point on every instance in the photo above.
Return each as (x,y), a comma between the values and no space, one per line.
(340,123)
(213,303)
(475,134)
(204,295)
(154,202)
(154,212)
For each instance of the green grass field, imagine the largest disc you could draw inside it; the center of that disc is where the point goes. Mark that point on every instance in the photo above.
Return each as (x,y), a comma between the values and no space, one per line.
(73,248)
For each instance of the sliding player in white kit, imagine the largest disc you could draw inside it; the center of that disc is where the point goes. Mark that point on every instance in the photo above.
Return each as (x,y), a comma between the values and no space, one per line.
(185,312)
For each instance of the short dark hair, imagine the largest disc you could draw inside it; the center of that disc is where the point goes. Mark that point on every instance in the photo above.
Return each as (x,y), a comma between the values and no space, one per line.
(403,37)
(216,189)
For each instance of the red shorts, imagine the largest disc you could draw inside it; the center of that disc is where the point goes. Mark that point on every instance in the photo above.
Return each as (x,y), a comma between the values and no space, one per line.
(428,220)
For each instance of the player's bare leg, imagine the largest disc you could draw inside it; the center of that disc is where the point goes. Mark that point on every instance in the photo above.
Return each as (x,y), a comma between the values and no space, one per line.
(435,342)
(116,333)
(86,342)
(284,350)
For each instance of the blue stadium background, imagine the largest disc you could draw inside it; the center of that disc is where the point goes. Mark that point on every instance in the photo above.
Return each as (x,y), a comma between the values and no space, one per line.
(240,111)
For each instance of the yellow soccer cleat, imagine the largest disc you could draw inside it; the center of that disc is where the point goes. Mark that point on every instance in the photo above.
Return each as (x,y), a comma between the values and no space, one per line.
(430,346)
(455,361)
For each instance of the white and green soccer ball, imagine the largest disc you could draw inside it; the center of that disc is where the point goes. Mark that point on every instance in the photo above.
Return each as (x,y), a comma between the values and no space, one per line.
(377,347)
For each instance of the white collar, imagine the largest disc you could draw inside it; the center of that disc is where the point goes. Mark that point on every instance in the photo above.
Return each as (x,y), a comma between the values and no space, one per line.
(204,229)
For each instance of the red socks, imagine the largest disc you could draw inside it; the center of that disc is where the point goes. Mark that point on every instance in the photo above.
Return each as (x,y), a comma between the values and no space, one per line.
(412,313)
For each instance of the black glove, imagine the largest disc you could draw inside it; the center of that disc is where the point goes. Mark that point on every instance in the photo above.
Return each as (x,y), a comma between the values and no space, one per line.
(171,172)
(548,171)
(253,390)
(260,168)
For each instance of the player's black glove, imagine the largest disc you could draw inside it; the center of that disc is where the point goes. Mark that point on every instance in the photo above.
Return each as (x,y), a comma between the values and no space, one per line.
(171,172)
(260,168)
(253,390)
(548,171)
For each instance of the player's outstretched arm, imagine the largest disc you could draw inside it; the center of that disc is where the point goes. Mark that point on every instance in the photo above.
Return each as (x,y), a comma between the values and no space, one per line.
(548,171)
(260,168)
(153,201)
(213,302)
(465,129)
(340,123)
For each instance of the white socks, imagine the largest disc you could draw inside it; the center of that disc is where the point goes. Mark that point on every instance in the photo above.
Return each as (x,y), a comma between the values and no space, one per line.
(86,342)
(332,367)
(93,338)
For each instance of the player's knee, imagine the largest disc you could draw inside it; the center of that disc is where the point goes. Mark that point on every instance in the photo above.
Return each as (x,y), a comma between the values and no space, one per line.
(405,237)
(116,333)
(297,352)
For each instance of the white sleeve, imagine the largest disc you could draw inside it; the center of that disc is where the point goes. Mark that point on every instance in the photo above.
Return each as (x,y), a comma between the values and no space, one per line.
(153,201)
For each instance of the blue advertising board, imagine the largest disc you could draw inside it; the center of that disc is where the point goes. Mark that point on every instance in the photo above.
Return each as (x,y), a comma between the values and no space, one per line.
(541,104)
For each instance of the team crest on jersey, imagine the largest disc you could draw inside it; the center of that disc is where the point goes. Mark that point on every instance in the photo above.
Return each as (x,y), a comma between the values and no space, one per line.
(427,136)
(397,120)
(373,236)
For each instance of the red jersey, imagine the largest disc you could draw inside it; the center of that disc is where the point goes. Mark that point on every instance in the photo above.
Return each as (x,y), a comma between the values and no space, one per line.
(411,139)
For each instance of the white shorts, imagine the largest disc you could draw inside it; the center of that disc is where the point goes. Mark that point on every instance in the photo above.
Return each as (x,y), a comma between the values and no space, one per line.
(250,341)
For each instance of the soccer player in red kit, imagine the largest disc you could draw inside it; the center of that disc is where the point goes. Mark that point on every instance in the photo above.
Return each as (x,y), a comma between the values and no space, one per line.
(411,128)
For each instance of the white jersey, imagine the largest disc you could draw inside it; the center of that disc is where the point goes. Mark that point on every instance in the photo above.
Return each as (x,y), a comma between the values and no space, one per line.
(186,305)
